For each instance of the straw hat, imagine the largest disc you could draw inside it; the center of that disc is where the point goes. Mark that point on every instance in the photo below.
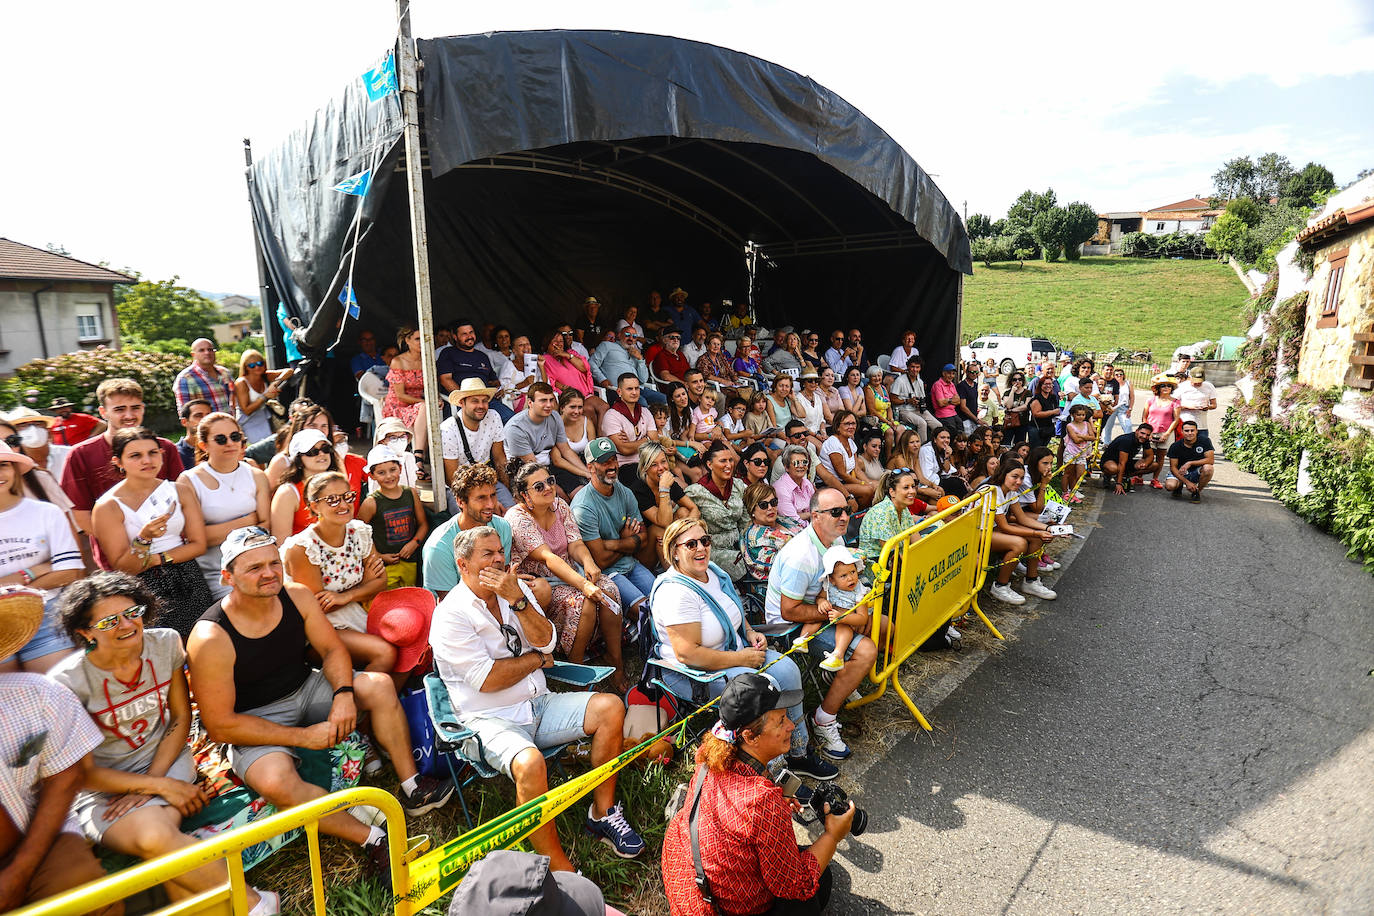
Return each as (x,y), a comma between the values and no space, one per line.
(21,614)
(29,415)
(25,463)
(1161,380)
(470,387)
(678,293)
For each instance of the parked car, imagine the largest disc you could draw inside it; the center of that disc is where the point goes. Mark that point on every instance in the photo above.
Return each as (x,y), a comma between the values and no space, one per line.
(1010,353)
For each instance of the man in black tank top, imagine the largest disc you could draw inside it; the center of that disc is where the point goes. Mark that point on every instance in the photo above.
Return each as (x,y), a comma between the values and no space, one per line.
(258,693)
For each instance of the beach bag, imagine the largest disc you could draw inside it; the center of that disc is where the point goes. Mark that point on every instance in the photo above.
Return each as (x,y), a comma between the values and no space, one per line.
(428,761)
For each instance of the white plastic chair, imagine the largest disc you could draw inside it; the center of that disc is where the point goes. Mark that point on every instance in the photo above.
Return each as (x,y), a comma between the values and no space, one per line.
(372,390)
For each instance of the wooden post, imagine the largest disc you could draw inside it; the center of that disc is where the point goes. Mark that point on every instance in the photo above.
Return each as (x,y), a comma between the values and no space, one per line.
(408,86)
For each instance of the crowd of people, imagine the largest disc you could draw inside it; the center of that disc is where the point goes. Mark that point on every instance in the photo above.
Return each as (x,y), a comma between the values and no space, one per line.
(615,481)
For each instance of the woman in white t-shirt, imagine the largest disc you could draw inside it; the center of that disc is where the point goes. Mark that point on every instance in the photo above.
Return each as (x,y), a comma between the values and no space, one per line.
(628,321)
(842,455)
(1016,537)
(699,622)
(39,551)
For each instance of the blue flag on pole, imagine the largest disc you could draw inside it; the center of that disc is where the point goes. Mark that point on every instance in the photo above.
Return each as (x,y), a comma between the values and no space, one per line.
(350,302)
(380,81)
(356,185)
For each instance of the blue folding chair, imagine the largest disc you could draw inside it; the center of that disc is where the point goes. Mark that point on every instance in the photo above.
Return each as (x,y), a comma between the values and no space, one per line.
(655,683)
(461,747)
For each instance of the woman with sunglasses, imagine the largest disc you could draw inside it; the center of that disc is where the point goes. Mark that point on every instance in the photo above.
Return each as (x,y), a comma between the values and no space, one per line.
(795,488)
(310,454)
(140,782)
(768,530)
(899,509)
(231,493)
(546,542)
(754,464)
(1123,397)
(152,528)
(38,551)
(720,499)
(306,414)
(335,558)
(255,386)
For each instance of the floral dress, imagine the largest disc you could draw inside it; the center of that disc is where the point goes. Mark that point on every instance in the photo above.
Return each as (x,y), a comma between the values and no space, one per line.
(527,537)
(341,568)
(726,520)
(412,382)
(761,545)
(720,365)
(882,523)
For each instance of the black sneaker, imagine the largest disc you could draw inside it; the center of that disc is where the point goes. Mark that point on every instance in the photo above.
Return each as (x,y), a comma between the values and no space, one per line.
(1177,492)
(378,863)
(1196,497)
(812,766)
(430,793)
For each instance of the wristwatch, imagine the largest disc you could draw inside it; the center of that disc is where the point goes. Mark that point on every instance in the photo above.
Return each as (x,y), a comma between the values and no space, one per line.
(521,604)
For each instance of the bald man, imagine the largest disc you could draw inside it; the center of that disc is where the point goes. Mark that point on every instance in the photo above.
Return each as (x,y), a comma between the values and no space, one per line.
(204,378)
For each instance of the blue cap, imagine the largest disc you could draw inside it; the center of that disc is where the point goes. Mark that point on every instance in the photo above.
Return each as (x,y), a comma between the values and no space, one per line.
(949,367)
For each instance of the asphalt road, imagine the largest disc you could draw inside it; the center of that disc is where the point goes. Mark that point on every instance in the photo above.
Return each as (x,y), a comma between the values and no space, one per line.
(1189,728)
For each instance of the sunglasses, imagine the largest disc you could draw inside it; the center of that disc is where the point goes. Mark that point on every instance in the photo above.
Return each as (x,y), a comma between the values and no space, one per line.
(796,435)
(12,440)
(565,333)
(761,462)
(801,464)
(334,500)
(512,637)
(837,512)
(316,451)
(109,623)
(258,364)
(222,439)
(767,504)
(704,541)
(539,486)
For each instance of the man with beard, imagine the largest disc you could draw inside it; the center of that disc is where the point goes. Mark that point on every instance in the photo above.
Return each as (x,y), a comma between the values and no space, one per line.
(258,692)
(464,361)
(669,363)
(609,521)
(1120,472)
(475,435)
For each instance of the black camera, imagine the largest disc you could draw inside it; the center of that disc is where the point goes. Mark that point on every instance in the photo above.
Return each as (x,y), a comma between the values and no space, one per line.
(839,803)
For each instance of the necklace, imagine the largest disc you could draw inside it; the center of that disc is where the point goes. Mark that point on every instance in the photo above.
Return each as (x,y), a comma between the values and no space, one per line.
(225,479)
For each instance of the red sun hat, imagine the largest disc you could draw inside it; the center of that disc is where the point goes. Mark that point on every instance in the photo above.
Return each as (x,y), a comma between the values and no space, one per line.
(402,616)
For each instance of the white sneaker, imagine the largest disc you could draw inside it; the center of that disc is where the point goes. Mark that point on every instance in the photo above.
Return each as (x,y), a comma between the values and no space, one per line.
(1004,594)
(953,633)
(1020,570)
(269,904)
(828,740)
(1038,589)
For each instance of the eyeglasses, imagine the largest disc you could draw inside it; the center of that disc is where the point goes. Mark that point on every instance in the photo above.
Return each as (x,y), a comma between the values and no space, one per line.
(316,451)
(222,439)
(129,613)
(837,512)
(704,541)
(256,364)
(539,486)
(512,637)
(334,500)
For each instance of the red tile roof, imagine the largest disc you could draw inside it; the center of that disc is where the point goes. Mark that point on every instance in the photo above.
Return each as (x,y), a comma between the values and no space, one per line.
(1192,203)
(1333,223)
(24,262)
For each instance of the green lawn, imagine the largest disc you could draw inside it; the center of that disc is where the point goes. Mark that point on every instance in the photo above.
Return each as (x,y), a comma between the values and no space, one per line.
(1104,303)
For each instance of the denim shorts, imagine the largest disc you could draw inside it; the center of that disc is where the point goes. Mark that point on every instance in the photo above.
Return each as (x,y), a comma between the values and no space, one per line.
(558,719)
(48,639)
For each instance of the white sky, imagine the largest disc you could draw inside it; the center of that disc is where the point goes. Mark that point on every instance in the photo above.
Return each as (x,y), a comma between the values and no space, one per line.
(123,122)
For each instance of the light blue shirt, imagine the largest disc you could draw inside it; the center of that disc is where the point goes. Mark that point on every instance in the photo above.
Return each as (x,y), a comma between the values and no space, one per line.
(610,360)
(797,573)
(440,568)
(600,518)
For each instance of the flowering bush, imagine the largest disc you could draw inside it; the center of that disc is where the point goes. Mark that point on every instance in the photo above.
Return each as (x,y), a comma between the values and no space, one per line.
(76,375)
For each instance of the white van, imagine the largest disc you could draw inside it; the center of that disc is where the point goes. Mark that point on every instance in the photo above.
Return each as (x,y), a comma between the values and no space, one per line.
(1010,353)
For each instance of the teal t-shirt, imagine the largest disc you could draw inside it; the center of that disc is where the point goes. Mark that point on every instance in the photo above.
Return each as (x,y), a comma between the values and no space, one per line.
(602,517)
(440,569)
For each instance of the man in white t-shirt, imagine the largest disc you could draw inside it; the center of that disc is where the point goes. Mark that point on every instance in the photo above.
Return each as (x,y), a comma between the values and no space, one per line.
(491,643)
(795,594)
(904,353)
(1196,398)
(481,439)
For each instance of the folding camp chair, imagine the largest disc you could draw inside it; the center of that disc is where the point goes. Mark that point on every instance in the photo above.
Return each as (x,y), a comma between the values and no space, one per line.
(460,745)
(654,681)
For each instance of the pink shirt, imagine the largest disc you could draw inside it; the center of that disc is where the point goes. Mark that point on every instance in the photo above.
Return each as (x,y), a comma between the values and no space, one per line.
(793,498)
(567,375)
(613,421)
(943,391)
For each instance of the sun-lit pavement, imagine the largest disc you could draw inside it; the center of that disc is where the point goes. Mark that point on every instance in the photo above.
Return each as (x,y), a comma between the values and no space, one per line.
(1189,728)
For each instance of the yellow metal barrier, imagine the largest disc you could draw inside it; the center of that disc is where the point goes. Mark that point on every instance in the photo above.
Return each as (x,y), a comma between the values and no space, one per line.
(929,573)
(232,898)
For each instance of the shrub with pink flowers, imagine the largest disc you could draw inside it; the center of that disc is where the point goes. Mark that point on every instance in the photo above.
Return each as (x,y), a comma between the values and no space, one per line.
(76,375)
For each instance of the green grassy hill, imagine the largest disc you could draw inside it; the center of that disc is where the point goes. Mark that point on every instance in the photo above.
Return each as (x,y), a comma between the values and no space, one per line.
(1106,302)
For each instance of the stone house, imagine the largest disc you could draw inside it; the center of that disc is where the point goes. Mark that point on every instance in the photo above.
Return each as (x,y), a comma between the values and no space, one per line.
(52,304)
(1338,341)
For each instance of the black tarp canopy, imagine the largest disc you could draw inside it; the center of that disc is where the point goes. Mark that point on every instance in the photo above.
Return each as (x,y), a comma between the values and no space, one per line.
(563,164)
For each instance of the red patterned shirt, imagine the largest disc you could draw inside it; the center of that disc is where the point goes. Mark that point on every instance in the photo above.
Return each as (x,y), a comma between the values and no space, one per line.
(748,849)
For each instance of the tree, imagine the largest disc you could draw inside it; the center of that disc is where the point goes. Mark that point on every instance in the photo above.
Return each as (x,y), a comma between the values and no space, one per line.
(1230,235)
(1271,171)
(979,226)
(1301,188)
(1080,224)
(158,310)
(1246,210)
(1235,179)
(1049,228)
(1029,205)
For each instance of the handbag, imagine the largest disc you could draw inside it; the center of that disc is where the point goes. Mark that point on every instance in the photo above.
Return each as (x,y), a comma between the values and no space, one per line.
(428,761)
(1012,419)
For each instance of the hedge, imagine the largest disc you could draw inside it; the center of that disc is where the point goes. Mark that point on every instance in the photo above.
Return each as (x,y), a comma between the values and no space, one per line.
(76,375)
(1340,470)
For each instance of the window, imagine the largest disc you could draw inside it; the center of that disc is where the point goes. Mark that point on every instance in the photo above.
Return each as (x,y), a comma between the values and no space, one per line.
(1159,227)
(89,325)
(1331,298)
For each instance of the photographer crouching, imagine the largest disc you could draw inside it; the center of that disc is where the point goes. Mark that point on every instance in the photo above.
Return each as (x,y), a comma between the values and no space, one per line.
(731,849)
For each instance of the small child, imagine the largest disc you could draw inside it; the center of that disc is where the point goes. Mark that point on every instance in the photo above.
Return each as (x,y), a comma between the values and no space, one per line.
(704,427)
(757,420)
(843,591)
(1078,433)
(398,521)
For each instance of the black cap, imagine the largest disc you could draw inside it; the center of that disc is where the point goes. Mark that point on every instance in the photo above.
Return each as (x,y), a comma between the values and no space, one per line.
(749,696)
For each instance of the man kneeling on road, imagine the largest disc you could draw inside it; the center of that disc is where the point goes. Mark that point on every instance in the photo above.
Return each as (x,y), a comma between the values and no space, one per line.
(795,595)
(491,643)
(1190,461)
(259,694)
(1120,472)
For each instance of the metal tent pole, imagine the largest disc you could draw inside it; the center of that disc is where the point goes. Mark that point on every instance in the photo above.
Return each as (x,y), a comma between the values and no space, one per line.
(408,85)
